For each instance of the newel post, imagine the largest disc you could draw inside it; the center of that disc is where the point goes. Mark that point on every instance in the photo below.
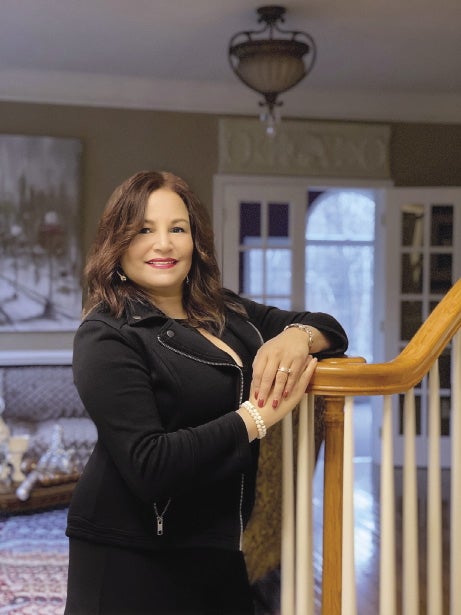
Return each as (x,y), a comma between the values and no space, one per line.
(333,505)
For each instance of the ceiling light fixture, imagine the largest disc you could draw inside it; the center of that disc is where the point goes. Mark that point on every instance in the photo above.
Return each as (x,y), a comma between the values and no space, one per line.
(271,65)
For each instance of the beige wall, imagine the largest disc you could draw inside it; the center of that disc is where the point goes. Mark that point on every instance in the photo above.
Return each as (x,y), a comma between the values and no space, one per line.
(426,154)
(117,143)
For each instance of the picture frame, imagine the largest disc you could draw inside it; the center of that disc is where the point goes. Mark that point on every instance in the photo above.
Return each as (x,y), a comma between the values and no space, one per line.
(40,247)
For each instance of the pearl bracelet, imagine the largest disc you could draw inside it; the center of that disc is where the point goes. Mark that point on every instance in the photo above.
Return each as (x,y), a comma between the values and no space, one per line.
(257,418)
(305,328)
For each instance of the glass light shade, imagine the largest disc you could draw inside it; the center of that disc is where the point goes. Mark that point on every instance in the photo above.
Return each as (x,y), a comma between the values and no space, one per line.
(270,67)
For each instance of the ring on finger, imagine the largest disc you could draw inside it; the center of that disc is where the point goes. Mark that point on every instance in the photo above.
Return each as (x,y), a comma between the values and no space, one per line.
(285,370)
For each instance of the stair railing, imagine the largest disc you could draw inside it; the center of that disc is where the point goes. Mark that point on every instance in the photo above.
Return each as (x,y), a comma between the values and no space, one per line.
(338,381)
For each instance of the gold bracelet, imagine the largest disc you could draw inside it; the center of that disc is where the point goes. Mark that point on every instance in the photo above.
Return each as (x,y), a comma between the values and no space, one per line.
(305,328)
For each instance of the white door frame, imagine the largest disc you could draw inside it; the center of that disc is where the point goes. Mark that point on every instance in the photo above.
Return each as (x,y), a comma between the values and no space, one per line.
(229,190)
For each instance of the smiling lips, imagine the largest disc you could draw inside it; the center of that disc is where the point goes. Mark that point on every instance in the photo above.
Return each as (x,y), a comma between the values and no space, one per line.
(162,263)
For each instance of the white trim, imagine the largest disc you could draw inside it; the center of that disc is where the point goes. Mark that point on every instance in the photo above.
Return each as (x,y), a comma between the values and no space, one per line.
(229,179)
(225,185)
(35,357)
(119,91)
(229,188)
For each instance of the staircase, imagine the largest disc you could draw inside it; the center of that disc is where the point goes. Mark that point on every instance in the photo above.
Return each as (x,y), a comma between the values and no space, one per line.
(339,381)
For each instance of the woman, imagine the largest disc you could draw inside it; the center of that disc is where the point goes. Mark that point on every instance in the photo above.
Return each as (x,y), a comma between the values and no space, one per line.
(182,379)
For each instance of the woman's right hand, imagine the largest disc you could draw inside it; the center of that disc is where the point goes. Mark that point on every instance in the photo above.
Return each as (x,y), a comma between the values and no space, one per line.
(271,416)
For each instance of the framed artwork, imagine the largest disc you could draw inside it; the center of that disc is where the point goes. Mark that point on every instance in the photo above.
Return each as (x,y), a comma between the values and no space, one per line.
(40,288)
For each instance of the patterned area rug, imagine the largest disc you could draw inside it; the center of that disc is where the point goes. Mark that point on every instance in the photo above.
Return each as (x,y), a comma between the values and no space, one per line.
(33,567)
(33,563)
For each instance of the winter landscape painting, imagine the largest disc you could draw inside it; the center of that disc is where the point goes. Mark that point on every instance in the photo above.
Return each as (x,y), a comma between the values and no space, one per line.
(39,233)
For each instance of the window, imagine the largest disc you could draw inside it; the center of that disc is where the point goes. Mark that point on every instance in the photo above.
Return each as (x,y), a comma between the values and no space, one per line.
(340,236)
(265,254)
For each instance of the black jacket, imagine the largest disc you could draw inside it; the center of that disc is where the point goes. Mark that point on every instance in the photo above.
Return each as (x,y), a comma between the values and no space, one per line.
(169,442)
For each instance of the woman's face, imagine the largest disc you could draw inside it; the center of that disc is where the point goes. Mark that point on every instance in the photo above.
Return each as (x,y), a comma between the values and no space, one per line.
(160,256)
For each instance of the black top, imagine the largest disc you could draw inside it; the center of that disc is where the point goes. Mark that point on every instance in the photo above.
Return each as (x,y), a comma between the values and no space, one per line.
(170,444)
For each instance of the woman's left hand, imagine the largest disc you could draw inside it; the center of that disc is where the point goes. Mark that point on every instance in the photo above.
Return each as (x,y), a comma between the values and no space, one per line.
(278,364)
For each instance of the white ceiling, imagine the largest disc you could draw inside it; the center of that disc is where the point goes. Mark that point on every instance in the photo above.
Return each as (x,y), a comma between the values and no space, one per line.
(377,59)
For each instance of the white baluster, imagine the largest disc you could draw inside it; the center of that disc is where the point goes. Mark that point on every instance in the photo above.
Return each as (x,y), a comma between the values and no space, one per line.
(410,511)
(434,500)
(455,547)
(349,595)
(387,574)
(304,545)
(287,598)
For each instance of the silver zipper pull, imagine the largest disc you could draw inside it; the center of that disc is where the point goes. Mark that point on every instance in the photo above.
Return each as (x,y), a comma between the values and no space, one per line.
(159,517)
(159,525)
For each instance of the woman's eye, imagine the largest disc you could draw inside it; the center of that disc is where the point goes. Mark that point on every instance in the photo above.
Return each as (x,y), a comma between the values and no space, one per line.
(177,229)
(145,230)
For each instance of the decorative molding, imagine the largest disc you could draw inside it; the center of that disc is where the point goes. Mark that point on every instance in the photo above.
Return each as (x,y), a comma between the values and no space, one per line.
(59,87)
(320,149)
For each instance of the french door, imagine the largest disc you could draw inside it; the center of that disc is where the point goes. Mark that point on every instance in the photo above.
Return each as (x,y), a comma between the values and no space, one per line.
(299,244)
(277,245)
(260,231)
(424,260)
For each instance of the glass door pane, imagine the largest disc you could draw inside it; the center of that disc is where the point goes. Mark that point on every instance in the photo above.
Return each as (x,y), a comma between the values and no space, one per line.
(340,237)
(424,260)
(265,254)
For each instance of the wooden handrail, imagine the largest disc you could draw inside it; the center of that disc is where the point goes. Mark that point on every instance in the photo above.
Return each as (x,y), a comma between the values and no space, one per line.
(352,376)
(337,378)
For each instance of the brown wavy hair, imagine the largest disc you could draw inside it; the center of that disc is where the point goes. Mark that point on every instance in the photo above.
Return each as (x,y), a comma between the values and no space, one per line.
(123,217)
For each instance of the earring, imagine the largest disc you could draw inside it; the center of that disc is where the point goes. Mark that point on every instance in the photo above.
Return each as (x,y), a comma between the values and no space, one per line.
(121,275)
(187,280)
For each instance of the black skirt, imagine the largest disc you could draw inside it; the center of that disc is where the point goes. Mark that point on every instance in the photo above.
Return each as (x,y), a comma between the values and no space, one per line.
(108,580)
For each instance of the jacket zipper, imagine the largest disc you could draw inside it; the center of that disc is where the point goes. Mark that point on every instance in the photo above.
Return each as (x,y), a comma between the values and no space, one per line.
(159,516)
(242,480)
(242,490)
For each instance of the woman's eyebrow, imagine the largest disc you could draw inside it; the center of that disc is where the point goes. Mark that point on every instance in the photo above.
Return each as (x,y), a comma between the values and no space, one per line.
(175,221)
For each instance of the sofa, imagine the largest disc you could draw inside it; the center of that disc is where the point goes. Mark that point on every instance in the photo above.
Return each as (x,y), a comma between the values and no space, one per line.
(35,399)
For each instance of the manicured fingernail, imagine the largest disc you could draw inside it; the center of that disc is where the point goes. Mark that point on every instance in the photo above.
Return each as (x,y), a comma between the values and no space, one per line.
(256,394)
(285,393)
(260,403)
(275,403)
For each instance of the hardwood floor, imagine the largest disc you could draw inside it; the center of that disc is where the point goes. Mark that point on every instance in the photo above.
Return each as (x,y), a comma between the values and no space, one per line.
(367,535)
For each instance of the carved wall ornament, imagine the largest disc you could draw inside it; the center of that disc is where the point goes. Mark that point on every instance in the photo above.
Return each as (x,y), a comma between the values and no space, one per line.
(299,148)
